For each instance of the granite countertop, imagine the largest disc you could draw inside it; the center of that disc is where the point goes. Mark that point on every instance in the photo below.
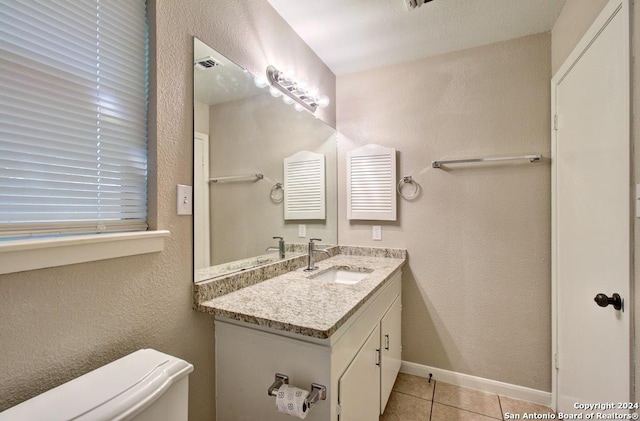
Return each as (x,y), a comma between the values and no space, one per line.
(296,302)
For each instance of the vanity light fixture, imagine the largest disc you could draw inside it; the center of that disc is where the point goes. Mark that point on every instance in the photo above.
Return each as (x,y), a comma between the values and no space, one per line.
(305,98)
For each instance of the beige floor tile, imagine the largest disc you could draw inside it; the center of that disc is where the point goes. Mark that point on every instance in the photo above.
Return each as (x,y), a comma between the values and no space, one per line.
(448,413)
(514,406)
(468,399)
(403,407)
(414,386)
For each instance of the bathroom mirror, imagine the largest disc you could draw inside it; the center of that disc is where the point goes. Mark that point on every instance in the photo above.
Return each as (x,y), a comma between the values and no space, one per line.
(241,136)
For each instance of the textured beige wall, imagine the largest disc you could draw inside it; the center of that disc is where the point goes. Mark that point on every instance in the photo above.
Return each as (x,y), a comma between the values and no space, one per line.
(62,322)
(476,291)
(574,20)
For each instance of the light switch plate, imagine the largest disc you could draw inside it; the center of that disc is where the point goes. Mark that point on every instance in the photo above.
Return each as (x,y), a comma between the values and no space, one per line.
(184,200)
(377,233)
(302,230)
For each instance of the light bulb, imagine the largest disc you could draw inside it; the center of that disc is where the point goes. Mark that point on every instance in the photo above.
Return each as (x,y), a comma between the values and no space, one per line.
(274,92)
(261,81)
(303,85)
(313,92)
(298,107)
(287,100)
(287,74)
(323,101)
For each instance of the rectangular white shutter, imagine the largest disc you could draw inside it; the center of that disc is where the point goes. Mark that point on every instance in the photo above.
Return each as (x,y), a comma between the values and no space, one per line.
(304,186)
(371,183)
(73,116)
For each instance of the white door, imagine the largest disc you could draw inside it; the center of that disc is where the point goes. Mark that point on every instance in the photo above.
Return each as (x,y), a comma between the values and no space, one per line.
(201,176)
(592,221)
(359,386)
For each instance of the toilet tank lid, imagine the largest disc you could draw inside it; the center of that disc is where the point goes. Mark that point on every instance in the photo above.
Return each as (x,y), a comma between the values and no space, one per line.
(124,387)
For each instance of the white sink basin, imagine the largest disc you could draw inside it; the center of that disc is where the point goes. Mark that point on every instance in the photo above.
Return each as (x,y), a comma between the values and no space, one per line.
(343,275)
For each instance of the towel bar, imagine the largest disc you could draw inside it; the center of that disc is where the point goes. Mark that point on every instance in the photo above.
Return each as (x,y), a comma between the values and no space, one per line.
(531,158)
(248,177)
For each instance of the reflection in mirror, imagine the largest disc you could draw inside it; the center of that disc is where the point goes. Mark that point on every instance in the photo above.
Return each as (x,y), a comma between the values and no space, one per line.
(304,177)
(242,135)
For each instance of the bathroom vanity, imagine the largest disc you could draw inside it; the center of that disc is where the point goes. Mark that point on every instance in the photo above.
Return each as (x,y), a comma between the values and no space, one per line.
(337,327)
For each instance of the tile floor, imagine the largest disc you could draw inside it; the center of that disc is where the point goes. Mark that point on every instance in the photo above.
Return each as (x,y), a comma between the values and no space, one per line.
(415,399)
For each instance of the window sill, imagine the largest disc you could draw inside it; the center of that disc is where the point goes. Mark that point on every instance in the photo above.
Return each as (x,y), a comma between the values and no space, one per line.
(22,255)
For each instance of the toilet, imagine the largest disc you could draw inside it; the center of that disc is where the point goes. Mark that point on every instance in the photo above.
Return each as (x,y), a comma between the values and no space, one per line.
(146,385)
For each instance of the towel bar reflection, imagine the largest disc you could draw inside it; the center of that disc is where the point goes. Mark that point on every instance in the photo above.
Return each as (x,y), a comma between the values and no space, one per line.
(530,158)
(272,193)
(248,177)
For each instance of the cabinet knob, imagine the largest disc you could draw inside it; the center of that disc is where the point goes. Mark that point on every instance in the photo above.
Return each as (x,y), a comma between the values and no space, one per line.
(378,357)
(615,300)
(386,342)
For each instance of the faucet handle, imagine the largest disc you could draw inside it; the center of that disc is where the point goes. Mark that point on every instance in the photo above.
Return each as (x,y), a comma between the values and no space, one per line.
(278,238)
(311,240)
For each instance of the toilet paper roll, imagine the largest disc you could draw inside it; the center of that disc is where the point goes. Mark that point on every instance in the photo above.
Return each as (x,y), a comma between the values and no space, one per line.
(292,401)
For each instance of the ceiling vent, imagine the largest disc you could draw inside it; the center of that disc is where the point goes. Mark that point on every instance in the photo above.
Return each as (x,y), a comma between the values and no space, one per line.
(413,4)
(206,63)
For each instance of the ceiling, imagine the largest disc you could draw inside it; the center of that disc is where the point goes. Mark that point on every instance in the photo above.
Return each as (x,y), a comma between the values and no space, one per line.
(354,35)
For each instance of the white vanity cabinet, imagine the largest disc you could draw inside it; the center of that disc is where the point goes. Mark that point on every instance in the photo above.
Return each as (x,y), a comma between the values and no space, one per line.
(391,350)
(359,386)
(358,363)
(366,385)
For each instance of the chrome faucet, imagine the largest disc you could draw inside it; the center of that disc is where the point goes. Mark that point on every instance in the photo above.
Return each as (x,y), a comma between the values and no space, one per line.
(311,261)
(280,247)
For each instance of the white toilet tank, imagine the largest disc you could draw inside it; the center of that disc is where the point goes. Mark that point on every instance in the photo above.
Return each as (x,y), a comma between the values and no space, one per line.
(146,385)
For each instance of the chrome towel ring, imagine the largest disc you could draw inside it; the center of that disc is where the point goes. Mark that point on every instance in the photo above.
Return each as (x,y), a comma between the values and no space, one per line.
(274,189)
(407,179)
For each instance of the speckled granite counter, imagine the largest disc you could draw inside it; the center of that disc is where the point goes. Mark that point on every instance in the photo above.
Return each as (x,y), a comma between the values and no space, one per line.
(296,302)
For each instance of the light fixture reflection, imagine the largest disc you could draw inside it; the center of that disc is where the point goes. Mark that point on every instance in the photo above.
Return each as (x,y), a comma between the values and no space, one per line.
(261,82)
(274,92)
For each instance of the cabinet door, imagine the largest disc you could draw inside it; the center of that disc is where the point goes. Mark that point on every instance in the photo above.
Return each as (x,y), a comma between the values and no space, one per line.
(359,386)
(391,350)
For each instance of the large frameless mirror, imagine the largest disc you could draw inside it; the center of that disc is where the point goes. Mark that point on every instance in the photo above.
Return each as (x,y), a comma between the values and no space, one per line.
(242,136)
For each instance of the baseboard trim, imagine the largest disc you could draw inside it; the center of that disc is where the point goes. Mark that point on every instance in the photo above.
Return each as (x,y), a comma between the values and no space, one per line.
(478,383)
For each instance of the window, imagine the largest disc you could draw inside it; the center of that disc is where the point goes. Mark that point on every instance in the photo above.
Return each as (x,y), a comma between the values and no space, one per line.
(73,117)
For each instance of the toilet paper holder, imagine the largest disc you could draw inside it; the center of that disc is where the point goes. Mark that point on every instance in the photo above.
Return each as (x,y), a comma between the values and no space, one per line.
(318,391)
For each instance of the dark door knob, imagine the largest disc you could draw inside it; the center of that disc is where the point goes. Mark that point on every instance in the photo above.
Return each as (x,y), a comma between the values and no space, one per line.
(602,300)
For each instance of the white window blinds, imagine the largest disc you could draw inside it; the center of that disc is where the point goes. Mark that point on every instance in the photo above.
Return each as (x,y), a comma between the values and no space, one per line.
(73,116)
